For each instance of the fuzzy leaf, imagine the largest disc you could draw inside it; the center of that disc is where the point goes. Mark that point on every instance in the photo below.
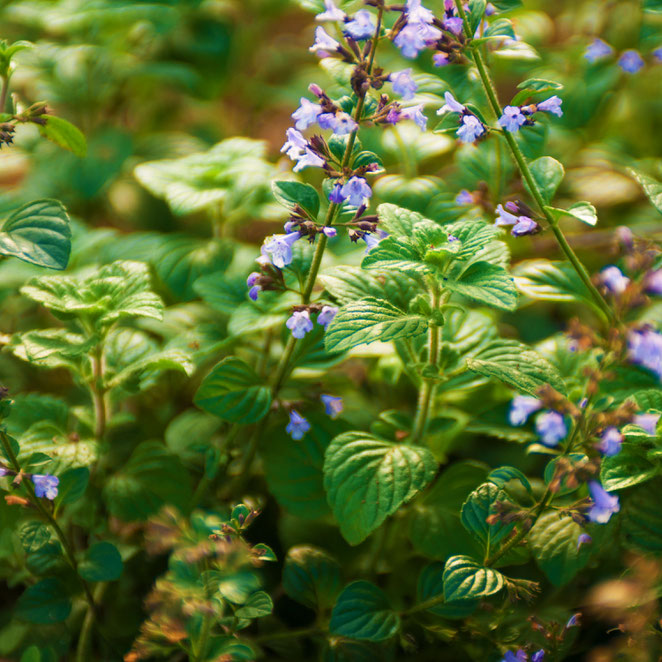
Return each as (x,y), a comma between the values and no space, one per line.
(311,577)
(548,174)
(64,134)
(466,579)
(485,283)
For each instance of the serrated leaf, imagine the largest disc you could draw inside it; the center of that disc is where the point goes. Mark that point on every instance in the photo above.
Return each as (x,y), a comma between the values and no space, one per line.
(475,511)
(64,134)
(311,577)
(649,399)
(396,253)
(101,563)
(367,479)
(431,585)
(550,281)
(548,174)
(151,477)
(553,542)
(465,579)
(33,535)
(363,612)
(368,320)
(290,193)
(51,348)
(485,283)
(115,291)
(629,467)
(652,188)
(44,603)
(234,392)
(258,605)
(641,518)
(517,365)
(38,233)
(396,220)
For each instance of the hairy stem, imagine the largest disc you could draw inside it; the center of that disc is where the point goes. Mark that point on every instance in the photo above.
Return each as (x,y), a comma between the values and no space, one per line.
(525,170)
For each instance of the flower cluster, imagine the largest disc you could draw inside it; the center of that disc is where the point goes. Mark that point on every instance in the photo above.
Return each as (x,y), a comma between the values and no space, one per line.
(515,117)
(471,128)
(300,323)
(298,425)
(519,216)
(630,61)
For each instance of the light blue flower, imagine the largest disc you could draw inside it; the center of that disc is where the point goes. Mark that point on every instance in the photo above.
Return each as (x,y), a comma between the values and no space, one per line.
(647,422)
(279,248)
(551,428)
(298,426)
(403,83)
(598,49)
(333,405)
(306,114)
(631,62)
(326,315)
(522,407)
(604,503)
(416,114)
(512,119)
(356,191)
(614,280)
(361,26)
(645,349)
(551,105)
(45,485)
(470,129)
(324,42)
(332,12)
(299,323)
(610,442)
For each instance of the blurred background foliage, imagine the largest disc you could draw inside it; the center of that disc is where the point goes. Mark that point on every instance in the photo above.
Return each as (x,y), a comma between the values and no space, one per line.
(163,81)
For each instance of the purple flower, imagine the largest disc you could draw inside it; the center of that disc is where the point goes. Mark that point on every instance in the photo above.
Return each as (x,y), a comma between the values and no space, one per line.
(4,471)
(296,148)
(415,113)
(657,54)
(583,539)
(45,485)
(551,427)
(356,191)
(645,349)
(519,656)
(417,13)
(308,158)
(298,425)
(440,59)
(371,239)
(336,195)
(653,282)
(598,49)
(573,621)
(630,61)
(403,83)
(306,114)
(332,405)
(344,124)
(504,217)
(324,43)
(524,226)
(490,9)
(470,129)
(614,280)
(512,119)
(299,323)
(454,25)
(551,105)
(361,26)
(610,442)
(452,105)
(329,231)
(414,37)
(464,197)
(279,246)
(604,504)
(254,289)
(647,422)
(522,407)
(326,315)
(538,656)
(332,12)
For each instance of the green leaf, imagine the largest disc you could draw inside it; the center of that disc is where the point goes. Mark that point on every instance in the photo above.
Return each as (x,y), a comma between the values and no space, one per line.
(38,233)
(64,134)
(101,563)
(47,560)
(294,471)
(517,365)
(363,612)
(311,577)
(72,486)
(258,605)
(627,468)
(33,536)
(485,283)
(582,211)
(232,175)
(396,220)
(44,603)
(641,518)
(548,174)
(151,477)
(368,320)
(553,543)
(506,5)
(498,29)
(475,511)
(115,291)
(51,348)
(435,529)
(652,188)
(550,281)
(476,14)
(534,86)
(465,579)
(290,193)
(649,399)
(234,392)
(503,475)
(367,479)
(431,586)
(397,253)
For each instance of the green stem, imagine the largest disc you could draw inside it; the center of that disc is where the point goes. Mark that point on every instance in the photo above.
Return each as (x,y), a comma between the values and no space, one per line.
(525,170)
(98,394)
(85,638)
(3,93)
